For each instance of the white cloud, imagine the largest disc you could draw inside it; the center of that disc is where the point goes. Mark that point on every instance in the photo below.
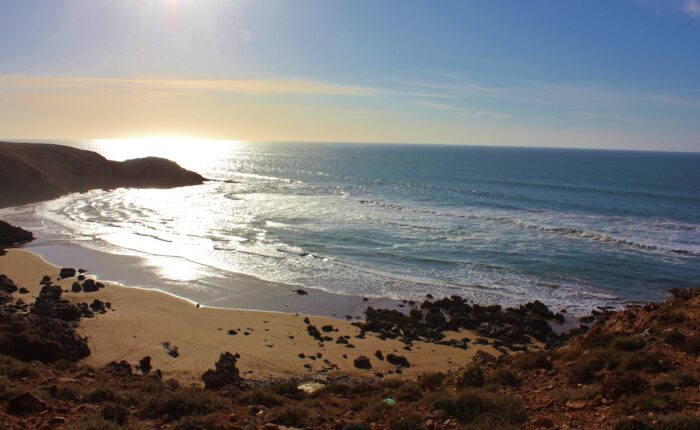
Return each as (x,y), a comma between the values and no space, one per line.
(692,8)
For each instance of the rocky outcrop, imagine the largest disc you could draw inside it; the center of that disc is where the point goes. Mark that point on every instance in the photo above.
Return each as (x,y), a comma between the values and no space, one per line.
(11,235)
(225,373)
(36,172)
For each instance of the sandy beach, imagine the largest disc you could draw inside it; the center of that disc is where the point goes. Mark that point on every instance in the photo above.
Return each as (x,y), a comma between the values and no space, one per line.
(270,343)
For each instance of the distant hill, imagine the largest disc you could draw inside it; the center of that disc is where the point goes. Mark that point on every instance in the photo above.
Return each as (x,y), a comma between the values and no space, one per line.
(35,172)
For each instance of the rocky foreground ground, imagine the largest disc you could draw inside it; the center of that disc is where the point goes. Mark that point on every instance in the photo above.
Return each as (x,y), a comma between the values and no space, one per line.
(634,369)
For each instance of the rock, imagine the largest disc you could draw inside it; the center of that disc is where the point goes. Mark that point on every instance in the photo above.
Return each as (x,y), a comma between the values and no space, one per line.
(49,304)
(379,355)
(313,332)
(327,328)
(121,368)
(37,337)
(12,235)
(145,365)
(46,279)
(115,413)
(225,373)
(397,360)
(301,292)
(362,362)
(23,290)
(543,422)
(172,384)
(90,286)
(6,285)
(26,403)
(98,306)
(76,288)
(66,272)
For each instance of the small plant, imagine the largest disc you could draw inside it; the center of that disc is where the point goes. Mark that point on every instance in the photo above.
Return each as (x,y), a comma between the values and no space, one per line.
(532,360)
(294,416)
(172,405)
(261,397)
(470,376)
(431,381)
(691,345)
(672,380)
(502,376)
(629,343)
(472,405)
(408,423)
(616,384)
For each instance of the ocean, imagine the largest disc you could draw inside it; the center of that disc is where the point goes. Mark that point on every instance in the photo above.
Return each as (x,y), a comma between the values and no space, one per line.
(575,229)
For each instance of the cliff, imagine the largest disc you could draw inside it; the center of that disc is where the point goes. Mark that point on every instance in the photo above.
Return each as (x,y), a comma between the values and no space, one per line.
(35,172)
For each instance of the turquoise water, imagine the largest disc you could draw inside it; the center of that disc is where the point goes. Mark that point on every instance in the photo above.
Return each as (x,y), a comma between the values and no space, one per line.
(574,228)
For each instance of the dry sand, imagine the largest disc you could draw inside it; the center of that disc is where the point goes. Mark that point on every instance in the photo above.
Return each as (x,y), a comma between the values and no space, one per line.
(142,319)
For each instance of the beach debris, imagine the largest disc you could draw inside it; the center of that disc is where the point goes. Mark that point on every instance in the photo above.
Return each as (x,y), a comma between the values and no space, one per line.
(362,362)
(66,272)
(170,349)
(225,373)
(301,292)
(26,403)
(310,387)
(145,365)
(397,360)
(119,368)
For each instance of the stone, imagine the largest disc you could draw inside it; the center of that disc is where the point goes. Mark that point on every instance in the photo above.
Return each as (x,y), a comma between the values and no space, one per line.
(362,362)
(301,292)
(7,285)
(26,403)
(76,288)
(145,365)
(397,360)
(115,413)
(121,368)
(66,272)
(225,373)
(90,286)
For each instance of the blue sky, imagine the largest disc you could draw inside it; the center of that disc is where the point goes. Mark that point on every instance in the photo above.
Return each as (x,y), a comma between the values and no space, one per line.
(610,74)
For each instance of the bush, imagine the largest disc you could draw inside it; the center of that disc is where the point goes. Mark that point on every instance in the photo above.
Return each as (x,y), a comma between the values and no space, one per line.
(643,360)
(646,402)
(96,422)
(677,422)
(179,403)
(629,343)
(287,389)
(586,370)
(617,383)
(431,381)
(691,345)
(261,397)
(532,360)
(470,376)
(409,391)
(409,423)
(294,416)
(670,381)
(15,369)
(471,405)
(502,377)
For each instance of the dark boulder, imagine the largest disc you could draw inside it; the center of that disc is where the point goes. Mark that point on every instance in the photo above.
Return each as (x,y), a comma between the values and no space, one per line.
(98,306)
(145,365)
(225,373)
(35,337)
(6,285)
(397,360)
(66,272)
(90,286)
(26,403)
(115,413)
(49,304)
(362,362)
(120,368)
(12,235)
(76,288)
(301,292)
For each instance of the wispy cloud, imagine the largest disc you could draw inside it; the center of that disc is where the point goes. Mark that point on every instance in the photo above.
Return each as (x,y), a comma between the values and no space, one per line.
(463,112)
(258,87)
(692,8)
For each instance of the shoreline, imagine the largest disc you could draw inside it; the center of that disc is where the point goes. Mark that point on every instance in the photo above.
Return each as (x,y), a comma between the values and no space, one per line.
(141,320)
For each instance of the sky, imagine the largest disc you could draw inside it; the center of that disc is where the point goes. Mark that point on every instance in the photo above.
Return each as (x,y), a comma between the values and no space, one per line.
(618,74)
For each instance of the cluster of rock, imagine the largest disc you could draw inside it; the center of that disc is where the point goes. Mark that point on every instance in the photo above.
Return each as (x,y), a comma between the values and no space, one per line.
(46,333)
(508,327)
(225,373)
(11,235)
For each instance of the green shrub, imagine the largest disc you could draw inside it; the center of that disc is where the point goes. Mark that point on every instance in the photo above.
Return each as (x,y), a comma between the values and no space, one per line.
(180,403)
(408,423)
(616,384)
(532,360)
(431,380)
(471,405)
(287,389)
(470,376)
(691,345)
(294,416)
(261,397)
(672,380)
(409,391)
(629,343)
(644,360)
(502,376)
(646,402)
